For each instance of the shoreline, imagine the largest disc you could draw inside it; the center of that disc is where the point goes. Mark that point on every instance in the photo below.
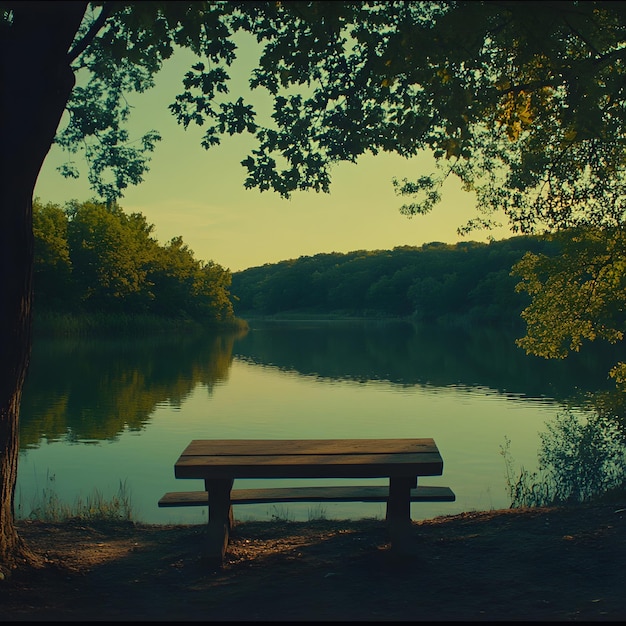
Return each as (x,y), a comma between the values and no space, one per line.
(548,564)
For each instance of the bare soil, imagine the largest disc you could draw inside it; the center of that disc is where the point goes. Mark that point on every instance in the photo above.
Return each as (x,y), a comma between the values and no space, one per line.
(548,564)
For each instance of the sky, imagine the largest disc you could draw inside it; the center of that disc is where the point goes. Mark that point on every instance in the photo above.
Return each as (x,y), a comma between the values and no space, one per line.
(199,195)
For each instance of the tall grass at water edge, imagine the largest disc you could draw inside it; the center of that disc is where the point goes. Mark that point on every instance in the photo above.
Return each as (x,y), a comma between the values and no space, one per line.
(47,506)
(579,461)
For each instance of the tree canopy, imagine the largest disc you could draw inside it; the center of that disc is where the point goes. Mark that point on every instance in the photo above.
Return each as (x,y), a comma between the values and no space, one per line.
(522,101)
(523,104)
(467,283)
(94,258)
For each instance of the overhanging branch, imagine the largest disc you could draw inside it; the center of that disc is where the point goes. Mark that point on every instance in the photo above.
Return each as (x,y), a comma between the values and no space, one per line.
(98,23)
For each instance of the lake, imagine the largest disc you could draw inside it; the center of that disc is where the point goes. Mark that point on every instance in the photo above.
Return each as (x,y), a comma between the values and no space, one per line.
(97,413)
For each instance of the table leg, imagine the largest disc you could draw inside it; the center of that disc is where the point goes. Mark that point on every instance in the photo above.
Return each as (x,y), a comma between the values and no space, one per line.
(399,509)
(220,517)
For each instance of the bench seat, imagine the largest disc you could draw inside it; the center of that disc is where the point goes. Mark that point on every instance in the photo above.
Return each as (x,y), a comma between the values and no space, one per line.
(356,493)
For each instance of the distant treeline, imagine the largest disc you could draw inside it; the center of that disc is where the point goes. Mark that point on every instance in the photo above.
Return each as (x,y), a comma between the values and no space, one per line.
(94,259)
(90,258)
(467,281)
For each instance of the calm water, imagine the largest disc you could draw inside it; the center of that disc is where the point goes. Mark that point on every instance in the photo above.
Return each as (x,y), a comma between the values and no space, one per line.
(98,413)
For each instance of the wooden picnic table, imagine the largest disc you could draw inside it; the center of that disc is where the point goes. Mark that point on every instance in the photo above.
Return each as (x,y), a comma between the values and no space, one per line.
(220,461)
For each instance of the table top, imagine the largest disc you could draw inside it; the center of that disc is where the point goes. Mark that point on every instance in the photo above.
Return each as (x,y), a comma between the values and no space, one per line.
(309,458)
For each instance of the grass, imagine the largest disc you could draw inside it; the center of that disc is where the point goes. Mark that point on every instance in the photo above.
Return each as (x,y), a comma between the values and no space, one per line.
(525,489)
(48,506)
(281,513)
(318,512)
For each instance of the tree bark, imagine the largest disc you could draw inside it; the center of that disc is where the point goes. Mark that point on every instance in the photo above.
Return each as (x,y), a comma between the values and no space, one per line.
(35,83)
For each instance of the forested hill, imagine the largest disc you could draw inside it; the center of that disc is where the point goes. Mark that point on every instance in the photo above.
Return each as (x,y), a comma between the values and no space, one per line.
(433,282)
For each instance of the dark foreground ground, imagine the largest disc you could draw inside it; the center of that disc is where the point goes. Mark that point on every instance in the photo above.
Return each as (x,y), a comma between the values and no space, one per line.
(536,564)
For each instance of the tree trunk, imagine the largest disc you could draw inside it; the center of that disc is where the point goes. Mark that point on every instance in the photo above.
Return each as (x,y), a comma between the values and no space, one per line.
(35,84)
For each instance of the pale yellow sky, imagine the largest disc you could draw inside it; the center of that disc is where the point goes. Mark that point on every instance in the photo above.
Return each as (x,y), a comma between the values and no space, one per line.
(199,195)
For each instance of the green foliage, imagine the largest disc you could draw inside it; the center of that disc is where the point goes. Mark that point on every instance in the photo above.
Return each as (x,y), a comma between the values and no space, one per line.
(109,254)
(579,460)
(578,293)
(470,281)
(513,102)
(527,102)
(53,265)
(524,107)
(91,258)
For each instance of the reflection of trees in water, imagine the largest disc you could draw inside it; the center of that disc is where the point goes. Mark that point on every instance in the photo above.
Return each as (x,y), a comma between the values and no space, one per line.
(578,459)
(408,354)
(94,389)
(581,457)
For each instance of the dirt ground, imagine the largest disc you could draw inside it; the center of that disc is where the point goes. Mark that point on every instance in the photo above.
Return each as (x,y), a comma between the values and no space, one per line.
(535,564)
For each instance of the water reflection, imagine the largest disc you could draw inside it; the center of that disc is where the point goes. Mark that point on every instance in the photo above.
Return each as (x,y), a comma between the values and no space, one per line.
(82,390)
(98,391)
(580,457)
(406,354)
